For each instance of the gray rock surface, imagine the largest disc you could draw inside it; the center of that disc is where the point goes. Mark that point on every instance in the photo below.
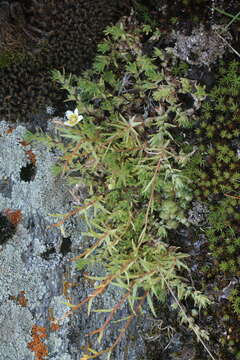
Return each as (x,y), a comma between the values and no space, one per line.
(202,47)
(36,276)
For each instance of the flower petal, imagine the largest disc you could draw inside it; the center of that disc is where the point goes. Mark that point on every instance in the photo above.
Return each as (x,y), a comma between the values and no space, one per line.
(68,123)
(68,113)
(76,111)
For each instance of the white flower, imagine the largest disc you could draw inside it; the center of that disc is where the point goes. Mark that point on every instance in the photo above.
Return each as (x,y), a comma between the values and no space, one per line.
(72,117)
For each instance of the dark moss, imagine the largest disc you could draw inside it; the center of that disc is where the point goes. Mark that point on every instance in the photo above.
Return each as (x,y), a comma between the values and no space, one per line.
(186,13)
(56,34)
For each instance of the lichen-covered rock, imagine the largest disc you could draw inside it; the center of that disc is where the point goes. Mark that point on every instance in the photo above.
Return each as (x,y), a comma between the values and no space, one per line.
(36,276)
(202,46)
(30,260)
(15,332)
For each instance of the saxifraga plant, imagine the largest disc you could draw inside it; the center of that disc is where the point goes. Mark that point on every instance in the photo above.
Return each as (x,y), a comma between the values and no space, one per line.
(124,152)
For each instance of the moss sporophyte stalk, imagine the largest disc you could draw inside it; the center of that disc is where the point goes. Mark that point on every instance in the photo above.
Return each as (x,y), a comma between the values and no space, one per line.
(126,153)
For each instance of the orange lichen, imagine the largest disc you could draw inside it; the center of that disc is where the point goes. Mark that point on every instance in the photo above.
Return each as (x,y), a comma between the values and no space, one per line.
(37,346)
(20,299)
(14,216)
(31,156)
(24,143)
(54,326)
(10,130)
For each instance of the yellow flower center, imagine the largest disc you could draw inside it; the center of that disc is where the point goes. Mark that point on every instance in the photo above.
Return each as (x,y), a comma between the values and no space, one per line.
(73,118)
